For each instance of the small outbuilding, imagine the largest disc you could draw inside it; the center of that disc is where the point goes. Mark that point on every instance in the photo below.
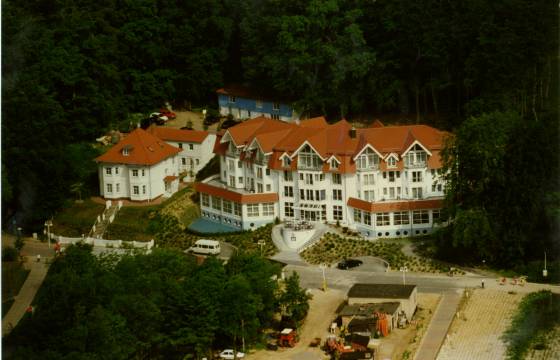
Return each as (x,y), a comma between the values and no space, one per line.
(385,293)
(358,311)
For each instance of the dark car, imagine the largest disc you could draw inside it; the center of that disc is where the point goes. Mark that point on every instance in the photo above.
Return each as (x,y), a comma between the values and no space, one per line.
(349,264)
(229,123)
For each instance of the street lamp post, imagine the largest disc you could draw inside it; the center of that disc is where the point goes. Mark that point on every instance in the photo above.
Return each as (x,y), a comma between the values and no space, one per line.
(261,243)
(404,270)
(48,224)
(323,266)
(545,272)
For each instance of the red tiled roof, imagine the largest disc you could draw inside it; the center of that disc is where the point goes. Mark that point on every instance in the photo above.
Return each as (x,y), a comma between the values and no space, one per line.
(143,149)
(169,178)
(235,196)
(280,137)
(379,207)
(178,135)
(316,122)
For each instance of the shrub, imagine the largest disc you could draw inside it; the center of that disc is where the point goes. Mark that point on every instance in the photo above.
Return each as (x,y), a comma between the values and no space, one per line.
(9,253)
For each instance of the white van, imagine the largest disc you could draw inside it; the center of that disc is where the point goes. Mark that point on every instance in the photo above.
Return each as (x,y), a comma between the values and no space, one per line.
(204,246)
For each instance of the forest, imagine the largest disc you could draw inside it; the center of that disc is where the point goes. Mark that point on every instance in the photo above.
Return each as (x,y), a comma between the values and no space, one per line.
(153,306)
(74,69)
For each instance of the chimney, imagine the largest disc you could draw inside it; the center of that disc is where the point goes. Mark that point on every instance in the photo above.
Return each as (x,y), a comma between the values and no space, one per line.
(353,132)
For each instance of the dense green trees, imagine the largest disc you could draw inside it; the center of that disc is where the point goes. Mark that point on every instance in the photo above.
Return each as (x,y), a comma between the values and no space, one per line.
(156,306)
(502,194)
(71,70)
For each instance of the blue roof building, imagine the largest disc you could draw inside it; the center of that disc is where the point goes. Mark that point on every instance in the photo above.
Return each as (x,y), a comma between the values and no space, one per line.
(242,103)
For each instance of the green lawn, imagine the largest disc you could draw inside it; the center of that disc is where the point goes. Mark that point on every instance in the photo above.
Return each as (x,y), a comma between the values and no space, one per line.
(132,223)
(77,218)
(13,277)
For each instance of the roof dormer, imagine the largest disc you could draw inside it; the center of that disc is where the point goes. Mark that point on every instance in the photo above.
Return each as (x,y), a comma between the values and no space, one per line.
(127,149)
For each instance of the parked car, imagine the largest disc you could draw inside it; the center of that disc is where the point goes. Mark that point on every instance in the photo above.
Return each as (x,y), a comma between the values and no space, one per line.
(229,123)
(228,354)
(349,263)
(168,113)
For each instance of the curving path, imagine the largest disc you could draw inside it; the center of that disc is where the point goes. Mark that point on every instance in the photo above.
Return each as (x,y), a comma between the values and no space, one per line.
(26,294)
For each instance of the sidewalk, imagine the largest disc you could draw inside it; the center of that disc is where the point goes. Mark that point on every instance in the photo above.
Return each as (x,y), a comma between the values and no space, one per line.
(441,321)
(26,294)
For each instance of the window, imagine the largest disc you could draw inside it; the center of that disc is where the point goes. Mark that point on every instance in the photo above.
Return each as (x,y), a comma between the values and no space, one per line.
(420,217)
(216,203)
(391,176)
(259,173)
(267,171)
(268,188)
(108,171)
(232,181)
(337,194)
(336,179)
(382,219)
(116,171)
(117,187)
(307,159)
(416,157)
(334,164)
(391,162)
(125,151)
(436,216)
(369,195)
(191,147)
(309,194)
(434,187)
(197,161)
(109,188)
(289,209)
(288,176)
(357,215)
(240,179)
(239,165)
(268,209)
(231,165)
(286,161)
(401,218)
(136,190)
(337,212)
(417,176)
(309,179)
(144,189)
(275,116)
(231,99)
(440,187)
(417,193)
(237,209)
(367,218)
(205,200)
(227,206)
(391,193)
(288,191)
(180,145)
(276,106)
(259,104)
(143,172)
(302,194)
(368,179)
(252,210)
(368,160)
(134,172)
(184,161)
(259,188)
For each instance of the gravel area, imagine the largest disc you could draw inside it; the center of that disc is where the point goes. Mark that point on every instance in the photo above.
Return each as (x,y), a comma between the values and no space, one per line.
(479,324)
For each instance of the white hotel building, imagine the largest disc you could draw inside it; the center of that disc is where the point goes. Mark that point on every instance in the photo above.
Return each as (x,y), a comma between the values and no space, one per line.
(383,181)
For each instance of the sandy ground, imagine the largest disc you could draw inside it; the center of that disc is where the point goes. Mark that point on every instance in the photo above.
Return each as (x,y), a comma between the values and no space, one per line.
(184,116)
(408,339)
(321,313)
(479,324)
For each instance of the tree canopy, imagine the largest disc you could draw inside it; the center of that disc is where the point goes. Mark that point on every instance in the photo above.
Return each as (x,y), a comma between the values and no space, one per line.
(157,306)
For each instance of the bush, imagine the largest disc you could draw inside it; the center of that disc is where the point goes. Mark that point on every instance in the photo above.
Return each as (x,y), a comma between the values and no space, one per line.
(9,253)
(211,168)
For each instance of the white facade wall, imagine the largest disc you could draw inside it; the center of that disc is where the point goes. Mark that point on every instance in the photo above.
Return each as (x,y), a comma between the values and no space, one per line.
(194,156)
(137,182)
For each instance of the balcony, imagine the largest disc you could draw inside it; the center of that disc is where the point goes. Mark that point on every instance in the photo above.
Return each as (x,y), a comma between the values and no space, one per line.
(416,165)
(213,186)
